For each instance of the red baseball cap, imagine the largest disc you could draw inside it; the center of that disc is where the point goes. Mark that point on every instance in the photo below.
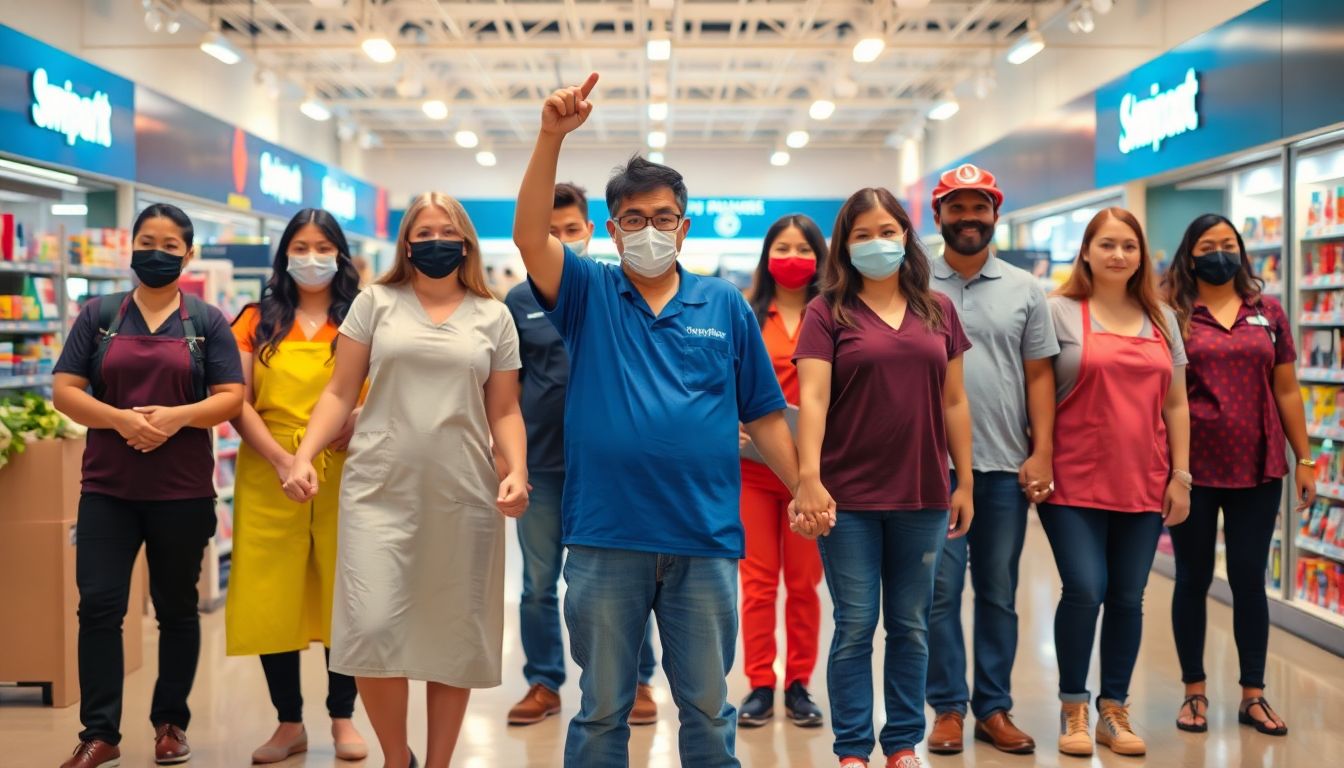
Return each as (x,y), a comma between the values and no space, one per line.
(967,176)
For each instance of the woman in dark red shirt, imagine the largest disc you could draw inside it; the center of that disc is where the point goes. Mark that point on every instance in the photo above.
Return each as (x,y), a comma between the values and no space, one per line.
(1243,397)
(882,405)
(165,370)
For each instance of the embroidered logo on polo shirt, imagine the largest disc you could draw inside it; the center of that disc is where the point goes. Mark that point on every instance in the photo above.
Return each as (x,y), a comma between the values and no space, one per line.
(707,333)
(535,315)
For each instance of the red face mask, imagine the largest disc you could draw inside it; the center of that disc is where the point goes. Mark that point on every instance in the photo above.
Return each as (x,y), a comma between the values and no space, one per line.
(793,272)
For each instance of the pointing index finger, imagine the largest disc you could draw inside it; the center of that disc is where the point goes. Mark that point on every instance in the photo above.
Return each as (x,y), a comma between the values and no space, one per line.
(588,84)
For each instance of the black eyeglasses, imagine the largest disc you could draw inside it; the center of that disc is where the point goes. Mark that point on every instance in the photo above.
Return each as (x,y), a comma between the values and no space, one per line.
(663,222)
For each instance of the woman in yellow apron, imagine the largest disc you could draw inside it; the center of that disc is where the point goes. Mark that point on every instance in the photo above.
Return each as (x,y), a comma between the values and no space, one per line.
(284,555)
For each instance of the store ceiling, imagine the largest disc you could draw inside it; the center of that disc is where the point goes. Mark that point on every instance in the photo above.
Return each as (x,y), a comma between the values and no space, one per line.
(739,72)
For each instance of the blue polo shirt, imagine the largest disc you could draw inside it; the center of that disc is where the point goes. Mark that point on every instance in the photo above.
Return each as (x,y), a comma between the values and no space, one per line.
(652,410)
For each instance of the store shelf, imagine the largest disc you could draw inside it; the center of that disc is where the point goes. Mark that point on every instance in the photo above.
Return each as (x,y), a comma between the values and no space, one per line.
(100,273)
(1314,320)
(224,548)
(1323,234)
(23,382)
(1273,289)
(1311,609)
(1330,491)
(1322,282)
(1320,432)
(1264,247)
(30,326)
(1318,547)
(1321,375)
(30,267)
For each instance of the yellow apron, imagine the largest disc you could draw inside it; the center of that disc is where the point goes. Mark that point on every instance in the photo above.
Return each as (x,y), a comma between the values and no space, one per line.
(284,554)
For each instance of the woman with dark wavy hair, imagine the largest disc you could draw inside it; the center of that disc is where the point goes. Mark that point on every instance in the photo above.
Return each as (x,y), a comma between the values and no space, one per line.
(1244,398)
(882,406)
(284,555)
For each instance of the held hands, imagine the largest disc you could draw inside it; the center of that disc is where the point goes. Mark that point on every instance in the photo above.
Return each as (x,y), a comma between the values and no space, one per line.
(1176,503)
(1305,480)
(139,432)
(568,108)
(1037,478)
(512,501)
(961,513)
(283,464)
(812,513)
(743,439)
(301,484)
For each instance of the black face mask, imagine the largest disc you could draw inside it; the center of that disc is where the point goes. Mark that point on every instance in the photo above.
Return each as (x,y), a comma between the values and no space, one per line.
(156,268)
(1217,268)
(437,258)
(967,243)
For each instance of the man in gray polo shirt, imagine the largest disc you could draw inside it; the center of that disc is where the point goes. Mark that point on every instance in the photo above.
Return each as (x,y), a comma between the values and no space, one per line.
(1010,384)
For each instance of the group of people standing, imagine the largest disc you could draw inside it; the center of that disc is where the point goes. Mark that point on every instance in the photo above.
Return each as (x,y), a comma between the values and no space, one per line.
(868,413)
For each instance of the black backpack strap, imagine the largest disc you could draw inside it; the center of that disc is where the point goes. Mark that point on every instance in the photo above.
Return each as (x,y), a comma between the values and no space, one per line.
(195,320)
(111,311)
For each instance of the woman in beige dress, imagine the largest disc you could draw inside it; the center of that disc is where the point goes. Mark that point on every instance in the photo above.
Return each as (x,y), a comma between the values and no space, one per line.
(420,553)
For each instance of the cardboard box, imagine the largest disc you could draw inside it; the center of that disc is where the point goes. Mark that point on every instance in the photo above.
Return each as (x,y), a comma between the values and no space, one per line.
(39,623)
(41,485)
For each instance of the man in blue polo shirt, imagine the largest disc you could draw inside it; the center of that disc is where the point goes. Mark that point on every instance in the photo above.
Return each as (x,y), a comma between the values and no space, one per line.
(663,366)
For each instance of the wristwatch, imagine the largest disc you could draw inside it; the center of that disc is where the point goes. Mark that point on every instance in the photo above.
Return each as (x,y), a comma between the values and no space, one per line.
(1307,462)
(1185,478)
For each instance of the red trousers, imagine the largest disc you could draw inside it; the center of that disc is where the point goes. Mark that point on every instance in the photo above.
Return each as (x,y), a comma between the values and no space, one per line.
(772,547)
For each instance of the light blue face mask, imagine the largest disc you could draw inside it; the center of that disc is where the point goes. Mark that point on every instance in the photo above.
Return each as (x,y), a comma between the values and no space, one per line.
(877,259)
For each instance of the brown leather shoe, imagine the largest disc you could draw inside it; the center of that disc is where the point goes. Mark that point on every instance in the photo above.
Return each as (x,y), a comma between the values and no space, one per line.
(93,754)
(645,711)
(539,703)
(170,745)
(998,729)
(946,738)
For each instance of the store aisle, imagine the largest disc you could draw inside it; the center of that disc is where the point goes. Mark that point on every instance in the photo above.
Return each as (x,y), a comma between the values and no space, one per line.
(232,714)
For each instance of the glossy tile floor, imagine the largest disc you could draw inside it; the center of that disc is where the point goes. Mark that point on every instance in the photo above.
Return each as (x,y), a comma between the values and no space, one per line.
(233,714)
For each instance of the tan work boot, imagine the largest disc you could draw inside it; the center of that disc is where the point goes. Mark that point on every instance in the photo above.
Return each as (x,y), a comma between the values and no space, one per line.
(539,703)
(1073,726)
(645,711)
(1114,730)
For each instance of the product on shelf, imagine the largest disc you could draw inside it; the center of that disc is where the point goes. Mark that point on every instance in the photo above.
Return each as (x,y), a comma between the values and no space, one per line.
(1322,404)
(1318,582)
(100,248)
(1274,573)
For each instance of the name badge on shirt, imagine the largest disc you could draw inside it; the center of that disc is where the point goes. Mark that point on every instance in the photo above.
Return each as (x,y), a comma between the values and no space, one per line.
(1258,320)
(535,315)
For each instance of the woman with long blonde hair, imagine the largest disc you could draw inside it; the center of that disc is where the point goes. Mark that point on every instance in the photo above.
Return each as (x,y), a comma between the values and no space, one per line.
(420,559)
(1122,458)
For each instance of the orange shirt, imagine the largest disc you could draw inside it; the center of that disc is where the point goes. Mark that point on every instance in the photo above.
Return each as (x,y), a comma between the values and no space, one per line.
(245,331)
(781,345)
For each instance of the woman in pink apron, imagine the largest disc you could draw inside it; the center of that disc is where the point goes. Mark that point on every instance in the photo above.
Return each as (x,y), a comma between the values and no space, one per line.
(164,370)
(1122,444)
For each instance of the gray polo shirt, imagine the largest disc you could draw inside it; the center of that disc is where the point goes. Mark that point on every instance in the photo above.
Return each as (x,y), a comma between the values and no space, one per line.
(1005,313)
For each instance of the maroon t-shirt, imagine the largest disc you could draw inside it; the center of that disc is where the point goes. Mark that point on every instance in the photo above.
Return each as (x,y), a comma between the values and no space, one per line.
(886,444)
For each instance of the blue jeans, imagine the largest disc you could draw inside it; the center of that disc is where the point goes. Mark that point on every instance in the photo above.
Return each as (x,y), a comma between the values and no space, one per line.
(539,611)
(1103,558)
(607,604)
(994,544)
(880,562)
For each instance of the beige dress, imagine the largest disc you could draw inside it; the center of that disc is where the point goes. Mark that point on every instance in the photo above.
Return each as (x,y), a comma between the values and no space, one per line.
(420,555)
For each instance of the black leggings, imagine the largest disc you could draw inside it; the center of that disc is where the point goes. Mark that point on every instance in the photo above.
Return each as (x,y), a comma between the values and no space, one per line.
(1249,520)
(282,678)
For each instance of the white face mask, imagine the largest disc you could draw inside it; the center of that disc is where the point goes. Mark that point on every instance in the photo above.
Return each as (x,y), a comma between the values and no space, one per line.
(312,272)
(649,252)
(579,247)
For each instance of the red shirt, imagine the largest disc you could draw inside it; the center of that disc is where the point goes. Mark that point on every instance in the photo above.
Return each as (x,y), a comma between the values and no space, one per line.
(1236,438)
(886,443)
(781,345)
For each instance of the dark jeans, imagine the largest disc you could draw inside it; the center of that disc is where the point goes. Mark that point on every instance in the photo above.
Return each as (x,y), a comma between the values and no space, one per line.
(282,679)
(539,537)
(993,547)
(1103,559)
(1249,519)
(880,563)
(109,535)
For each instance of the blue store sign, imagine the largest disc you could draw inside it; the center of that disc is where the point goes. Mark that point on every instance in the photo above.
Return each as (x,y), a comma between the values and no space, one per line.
(58,109)
(183,150)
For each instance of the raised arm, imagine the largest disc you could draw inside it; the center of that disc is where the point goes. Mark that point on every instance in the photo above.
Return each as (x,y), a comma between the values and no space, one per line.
(543,255)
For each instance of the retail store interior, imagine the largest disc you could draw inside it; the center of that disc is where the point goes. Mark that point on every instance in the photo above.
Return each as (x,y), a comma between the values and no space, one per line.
(243,112)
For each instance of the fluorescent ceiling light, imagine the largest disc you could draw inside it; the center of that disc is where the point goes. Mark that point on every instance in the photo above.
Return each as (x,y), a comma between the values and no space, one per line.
(69,209)
(379,49)
(944,108)
(779,158)
(1027,46)
(173,26)
(656,157)
(435,109)
(657,139)
(314,109)
(869,48)
(797,139)
(659,49)
(220,49)
(410,87)
(822,109)
(1103,6)
(846,88)
(153,20)
(41,173)
(466,138)
(658,110)
(486,158)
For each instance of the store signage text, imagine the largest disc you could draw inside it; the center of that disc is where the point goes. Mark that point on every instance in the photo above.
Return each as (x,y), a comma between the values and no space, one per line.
(1149,121)
(339,199)
(79,118)
(279,180)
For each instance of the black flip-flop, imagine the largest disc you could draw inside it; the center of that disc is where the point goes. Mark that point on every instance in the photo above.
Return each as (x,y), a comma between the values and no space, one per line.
(1263,726)
(1191,701)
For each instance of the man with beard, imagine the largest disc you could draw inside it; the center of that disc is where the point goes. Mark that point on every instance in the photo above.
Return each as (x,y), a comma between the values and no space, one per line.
(1011,387)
